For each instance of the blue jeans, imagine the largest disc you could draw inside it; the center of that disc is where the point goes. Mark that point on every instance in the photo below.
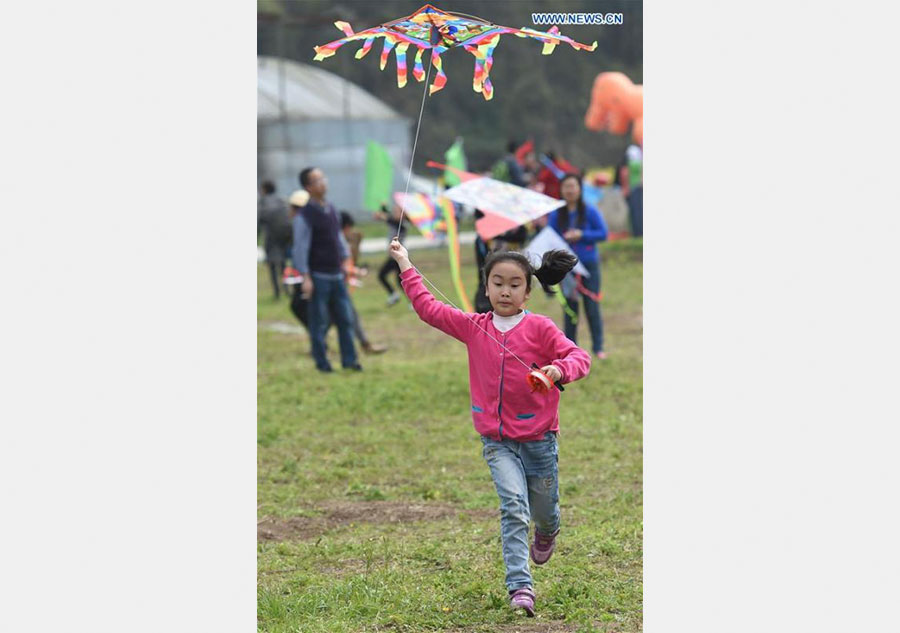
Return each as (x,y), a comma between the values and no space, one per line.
(330,298)
(591,308)
(636,210)
(527,481)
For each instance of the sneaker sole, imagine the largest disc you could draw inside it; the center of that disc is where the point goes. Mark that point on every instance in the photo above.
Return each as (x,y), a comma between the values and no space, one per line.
(528,612)
(537,562)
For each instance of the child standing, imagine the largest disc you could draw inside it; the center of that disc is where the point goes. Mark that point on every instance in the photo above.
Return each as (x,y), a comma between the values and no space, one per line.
(395,228)
(518,427)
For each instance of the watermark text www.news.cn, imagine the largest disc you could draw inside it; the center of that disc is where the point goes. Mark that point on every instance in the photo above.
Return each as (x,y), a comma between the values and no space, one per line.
(577,18)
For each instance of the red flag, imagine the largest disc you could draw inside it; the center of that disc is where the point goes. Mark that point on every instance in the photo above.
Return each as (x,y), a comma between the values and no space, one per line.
(524,149)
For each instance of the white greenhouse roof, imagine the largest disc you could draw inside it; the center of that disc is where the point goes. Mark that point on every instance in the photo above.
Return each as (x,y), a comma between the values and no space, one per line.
(311,93)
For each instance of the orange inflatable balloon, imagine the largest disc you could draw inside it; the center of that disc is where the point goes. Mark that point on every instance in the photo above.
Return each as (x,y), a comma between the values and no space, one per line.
(615,103)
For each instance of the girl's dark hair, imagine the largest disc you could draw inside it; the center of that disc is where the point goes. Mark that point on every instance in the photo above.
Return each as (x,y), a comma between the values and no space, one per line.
(555,265)
(563,213)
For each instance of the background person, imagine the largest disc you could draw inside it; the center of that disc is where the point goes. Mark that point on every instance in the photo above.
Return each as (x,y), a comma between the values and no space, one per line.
(582,226)
(272,217)
(319,253)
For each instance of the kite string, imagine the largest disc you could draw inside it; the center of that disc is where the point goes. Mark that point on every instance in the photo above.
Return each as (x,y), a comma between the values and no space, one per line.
(415,143)
(468,316)
(400,225)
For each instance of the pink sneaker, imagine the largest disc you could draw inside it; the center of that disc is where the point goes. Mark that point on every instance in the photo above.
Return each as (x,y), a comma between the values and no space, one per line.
(542,547)
(601,355)
(523,599)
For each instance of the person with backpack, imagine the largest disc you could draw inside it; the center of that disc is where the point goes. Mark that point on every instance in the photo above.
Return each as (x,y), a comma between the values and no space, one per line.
(507,169)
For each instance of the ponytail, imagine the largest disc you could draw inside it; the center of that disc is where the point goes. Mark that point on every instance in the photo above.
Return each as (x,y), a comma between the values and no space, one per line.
(555,265)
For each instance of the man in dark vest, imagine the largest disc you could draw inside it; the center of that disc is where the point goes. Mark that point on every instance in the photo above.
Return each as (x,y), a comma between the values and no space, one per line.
(319,253)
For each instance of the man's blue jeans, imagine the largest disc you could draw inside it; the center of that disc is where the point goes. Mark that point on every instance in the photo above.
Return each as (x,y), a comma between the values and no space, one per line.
(526,477)
(330,298)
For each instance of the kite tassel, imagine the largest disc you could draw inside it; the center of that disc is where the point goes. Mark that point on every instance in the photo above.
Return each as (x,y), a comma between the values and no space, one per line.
(400,52)
(323,52)
(344,27)
(440,80)
(366,47)
(487,89)
(388,45)
(418,71)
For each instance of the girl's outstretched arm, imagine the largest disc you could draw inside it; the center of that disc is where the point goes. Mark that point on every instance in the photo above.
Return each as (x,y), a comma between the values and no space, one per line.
(436,314)
(573,362)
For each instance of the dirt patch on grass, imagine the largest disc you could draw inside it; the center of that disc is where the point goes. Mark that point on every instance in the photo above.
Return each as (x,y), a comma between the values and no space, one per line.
(338,514)
(290,529)
(386,512)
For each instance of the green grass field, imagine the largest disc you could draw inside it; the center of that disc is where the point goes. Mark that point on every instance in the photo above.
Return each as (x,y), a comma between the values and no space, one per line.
(376,510)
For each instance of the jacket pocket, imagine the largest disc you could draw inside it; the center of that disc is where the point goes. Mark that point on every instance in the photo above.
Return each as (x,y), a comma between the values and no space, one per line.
(484,422)
(522,408)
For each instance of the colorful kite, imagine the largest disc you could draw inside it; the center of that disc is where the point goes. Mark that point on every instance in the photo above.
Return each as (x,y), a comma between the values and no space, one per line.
(505,206)
(431,28)
(421,210)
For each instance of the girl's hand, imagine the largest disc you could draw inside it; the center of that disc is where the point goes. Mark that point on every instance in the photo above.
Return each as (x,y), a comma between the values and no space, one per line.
(552,372)
(400,254)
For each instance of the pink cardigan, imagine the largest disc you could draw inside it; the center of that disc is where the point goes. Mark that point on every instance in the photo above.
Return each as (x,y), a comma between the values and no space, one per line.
(503,405)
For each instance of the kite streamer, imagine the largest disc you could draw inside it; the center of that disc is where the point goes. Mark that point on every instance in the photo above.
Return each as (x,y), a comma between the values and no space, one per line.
(580,287)
(453,249)
(565,304)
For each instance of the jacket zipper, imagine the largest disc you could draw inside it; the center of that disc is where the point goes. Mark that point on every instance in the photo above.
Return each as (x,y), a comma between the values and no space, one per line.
(500,403)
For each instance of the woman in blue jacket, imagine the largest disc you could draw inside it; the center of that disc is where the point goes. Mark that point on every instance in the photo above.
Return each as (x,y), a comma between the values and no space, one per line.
(582,226)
